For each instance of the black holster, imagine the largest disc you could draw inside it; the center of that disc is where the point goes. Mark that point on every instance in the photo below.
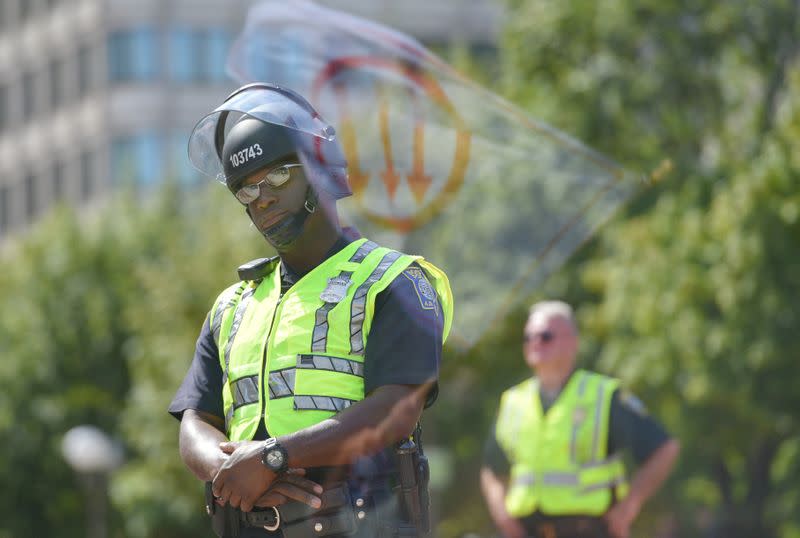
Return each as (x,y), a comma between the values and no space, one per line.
(224,519)
(414,474)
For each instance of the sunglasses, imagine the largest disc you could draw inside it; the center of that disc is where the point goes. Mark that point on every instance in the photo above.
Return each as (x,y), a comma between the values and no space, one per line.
(276,177)
(544,337)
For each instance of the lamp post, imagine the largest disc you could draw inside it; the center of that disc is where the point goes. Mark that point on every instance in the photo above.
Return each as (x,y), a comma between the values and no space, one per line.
(93,455)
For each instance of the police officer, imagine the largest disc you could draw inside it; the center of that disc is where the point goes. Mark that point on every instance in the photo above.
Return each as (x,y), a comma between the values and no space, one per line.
(553,464)
(301,404)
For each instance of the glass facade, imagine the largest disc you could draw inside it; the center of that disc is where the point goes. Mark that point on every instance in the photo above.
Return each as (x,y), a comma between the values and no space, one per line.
(133,54)
(198,54)
(219,42)
(137,160)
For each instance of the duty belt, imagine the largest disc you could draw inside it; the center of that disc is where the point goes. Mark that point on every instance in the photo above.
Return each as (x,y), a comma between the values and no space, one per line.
(335,516)
(339,514)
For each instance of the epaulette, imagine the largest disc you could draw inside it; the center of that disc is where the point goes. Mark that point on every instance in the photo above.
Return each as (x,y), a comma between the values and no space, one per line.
(257,269)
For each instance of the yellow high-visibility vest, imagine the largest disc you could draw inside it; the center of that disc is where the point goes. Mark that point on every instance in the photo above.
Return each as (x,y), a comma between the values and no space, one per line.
(559,464)
(297,359)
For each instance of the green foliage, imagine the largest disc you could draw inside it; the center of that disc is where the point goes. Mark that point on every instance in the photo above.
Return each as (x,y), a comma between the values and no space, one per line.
(690,297)
(63,362)
(99,328)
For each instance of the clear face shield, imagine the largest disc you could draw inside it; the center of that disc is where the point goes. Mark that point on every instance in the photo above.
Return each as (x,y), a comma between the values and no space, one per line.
(310,137)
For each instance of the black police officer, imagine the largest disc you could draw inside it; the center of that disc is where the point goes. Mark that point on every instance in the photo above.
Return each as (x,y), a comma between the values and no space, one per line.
(314,421)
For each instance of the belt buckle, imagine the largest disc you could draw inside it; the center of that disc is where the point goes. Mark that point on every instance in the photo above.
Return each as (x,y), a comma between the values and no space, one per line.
(277,524)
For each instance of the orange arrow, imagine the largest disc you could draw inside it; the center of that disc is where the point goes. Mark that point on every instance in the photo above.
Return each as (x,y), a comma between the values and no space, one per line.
(357,177)
(418,181)
(390,177)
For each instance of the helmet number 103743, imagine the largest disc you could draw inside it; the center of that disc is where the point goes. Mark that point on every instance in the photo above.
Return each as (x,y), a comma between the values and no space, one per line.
(242,156)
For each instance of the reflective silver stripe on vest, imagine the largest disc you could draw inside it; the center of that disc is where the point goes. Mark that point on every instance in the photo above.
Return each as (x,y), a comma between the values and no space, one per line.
(560,479)
(322,403)
(576,425)
(237,320)
(603,485)
(332,364)
(319,336)
(281,383)
(363,251)
(245,391)
(526,479)
(358,306)
(598,410)
(224,303)
(548,479)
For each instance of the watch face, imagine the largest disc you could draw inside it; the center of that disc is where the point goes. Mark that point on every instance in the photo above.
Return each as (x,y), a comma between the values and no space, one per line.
(275,459)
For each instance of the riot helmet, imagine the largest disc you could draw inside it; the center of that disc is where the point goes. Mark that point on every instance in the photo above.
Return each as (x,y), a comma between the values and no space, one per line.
(262,123)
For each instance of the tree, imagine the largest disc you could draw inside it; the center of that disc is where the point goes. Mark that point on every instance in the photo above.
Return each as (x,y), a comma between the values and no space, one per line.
(689,296)
(104,311)
(695,287)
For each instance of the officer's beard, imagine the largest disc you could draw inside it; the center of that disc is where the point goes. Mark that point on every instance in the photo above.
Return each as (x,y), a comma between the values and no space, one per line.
(285,232)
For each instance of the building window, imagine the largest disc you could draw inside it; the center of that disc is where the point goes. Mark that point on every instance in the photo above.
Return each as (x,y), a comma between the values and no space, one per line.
(30,196)
(287,62)
(25,9)
(5,109)
(28,95)
(85,82)
(86,173)
(5,208)
(198,54)
(185,55)
(219,44)
(133,54)
(179,167)
(57,83)
(137,160)
(58,182)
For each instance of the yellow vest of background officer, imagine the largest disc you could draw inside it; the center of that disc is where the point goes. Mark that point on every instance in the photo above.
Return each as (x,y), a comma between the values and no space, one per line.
(559,464)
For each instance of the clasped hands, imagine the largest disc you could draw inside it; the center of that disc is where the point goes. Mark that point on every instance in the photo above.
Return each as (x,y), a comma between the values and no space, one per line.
(244,482)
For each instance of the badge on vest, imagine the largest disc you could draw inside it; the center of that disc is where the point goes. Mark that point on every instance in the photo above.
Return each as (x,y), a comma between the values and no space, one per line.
(336,290)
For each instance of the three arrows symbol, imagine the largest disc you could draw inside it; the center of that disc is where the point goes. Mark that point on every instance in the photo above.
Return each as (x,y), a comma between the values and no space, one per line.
(418,181)
(358,178)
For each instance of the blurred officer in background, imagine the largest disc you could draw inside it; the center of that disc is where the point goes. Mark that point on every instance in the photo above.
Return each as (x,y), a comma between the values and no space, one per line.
(301,405)
(553,462)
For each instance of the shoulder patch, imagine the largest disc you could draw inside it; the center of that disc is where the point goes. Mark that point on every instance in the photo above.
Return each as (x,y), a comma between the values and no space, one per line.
(633,403)
(425,292)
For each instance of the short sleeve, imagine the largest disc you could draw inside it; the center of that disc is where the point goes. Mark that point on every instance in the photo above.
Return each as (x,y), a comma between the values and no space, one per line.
(494,457)
(632,428)
(404,346)
(201,389)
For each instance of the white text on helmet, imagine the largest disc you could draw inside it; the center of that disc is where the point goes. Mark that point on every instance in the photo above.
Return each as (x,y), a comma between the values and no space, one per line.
(242,156)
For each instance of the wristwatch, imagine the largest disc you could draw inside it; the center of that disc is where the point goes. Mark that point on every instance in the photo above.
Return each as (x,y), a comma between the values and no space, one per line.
(274,456)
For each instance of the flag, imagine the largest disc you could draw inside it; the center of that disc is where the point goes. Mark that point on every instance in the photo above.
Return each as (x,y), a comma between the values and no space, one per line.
(439,166)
